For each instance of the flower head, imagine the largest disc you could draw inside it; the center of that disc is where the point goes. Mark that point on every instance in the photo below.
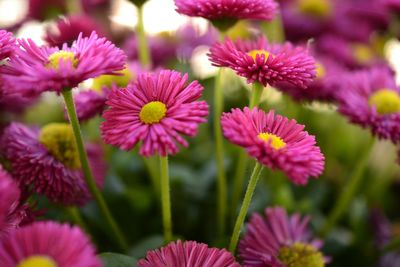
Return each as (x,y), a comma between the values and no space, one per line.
(154,110)
(188,254)
(89,103)
(48,244)
(275,141)
(52,69)
(260,61)
(47,161)
(7,44)
(372,99)
(277,240)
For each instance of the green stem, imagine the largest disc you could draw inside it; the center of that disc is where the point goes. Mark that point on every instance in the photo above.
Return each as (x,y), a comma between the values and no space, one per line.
(347,195)
(69,103)
(76,218)
(241,165)
(221,178)
(245,206)
(165,199)
(144,53)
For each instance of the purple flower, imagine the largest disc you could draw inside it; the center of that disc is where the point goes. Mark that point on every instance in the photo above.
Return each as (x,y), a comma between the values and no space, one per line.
(260,61)
(188,254)
(41,69)
(277,240)
(90,103)
(7,44)
(275,141)
(48,244)
(47,161)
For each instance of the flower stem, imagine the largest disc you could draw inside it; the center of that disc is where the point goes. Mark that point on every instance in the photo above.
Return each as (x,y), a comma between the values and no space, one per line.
(219,146)
(241,165)
(245,206)
(144,53)
(345,198)
(165,199)
(69,103)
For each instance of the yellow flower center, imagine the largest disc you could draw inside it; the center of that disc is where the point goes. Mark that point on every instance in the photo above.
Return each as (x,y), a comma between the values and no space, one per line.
(385,101)
(362,53)
(61,56)
(321,72)
(274,140)
(254,53)
(301,255)
(108,80)
(59,139)
(38,261)
(316,8)
(153,112)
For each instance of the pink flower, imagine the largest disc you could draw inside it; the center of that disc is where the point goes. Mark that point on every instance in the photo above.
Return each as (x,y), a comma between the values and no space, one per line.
(277,240)
(275,141)
(47,161)
(260,61)
(188,254)
(154,110)
(48,244)
(7,44)
(89,104)
(51,69)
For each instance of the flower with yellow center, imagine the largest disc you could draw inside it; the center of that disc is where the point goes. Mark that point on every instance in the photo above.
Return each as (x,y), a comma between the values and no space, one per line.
(38,261)
(153,112)
(275,141)
(59,139)
(301,255)
(362,53)
(385,101)
(254,53)
(108,80)
(316,8)
(56,58)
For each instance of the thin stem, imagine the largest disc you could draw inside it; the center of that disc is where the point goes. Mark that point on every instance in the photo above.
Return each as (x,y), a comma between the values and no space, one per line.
(144,53)
(347,195)
(219,146)
(69,103)
(245,206)
(256,92)
(165,199)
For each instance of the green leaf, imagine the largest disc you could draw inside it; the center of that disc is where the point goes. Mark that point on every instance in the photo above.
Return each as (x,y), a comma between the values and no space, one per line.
(117,260)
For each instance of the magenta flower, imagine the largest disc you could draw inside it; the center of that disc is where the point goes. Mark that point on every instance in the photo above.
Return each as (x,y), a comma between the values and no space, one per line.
(259,61)
(275,141)
(89,104)
(50,69)
(277,240)
(7,44)
(47,161)
(154,110)
(371,99)
(48,244)
(188,254)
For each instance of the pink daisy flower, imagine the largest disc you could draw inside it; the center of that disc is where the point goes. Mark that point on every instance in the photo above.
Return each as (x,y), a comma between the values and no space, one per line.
(48,244)
(89,103)
(228,11)
(277,240)
(51,69)
(371,99)
(154,110)
(275,141)
(47,161)
(7,44)
(188,254)
(260,61)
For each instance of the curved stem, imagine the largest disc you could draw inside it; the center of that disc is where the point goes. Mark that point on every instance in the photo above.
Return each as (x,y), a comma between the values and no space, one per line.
(165,199)
(90,182)
(144,53)
(245,206)
(349,191)
(219,146)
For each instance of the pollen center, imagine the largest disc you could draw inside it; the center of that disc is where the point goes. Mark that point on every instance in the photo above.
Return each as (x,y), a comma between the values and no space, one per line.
(301,255)
(254,53)
(362,53)
(316,8)
(153,112)
(38,261)
(61,57)
(321,72)
(386,101)
(108,80)
(274,140)
(59,139)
